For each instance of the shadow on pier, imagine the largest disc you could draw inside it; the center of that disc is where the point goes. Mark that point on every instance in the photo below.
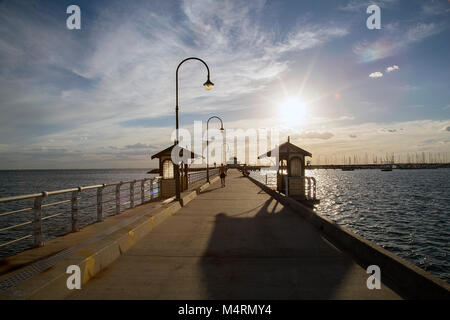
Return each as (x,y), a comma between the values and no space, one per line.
(270,255)
(233,243)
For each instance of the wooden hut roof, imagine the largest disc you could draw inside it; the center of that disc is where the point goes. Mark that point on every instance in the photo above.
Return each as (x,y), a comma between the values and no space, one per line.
(286,148)
(168,151)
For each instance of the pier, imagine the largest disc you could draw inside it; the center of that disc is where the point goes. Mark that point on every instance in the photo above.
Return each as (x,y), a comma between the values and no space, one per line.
(235,242)
(121,122)
(243,241)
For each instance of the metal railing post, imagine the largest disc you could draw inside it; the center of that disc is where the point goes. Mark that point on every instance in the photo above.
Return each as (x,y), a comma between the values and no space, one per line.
(37,226)
(132,193)
(100,203)
(151,188)
(158,183)
(314,187)
(118,197)
(309,187)
(74,207)
(142,191)
(287,185)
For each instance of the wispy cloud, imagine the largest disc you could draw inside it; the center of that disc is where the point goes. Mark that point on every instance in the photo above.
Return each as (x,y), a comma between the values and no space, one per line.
(308,37)
(435,8)
(107,91)
(395,39)
(121,67)
(361,5)
(138,146)
(315,135)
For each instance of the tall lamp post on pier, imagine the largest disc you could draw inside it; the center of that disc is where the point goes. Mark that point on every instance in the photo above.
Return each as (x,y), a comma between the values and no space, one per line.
(208,86)
(207,144)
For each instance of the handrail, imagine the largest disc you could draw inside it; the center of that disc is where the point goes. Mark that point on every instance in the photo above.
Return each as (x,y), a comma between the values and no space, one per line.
(310,186)
(134,192)
(139,191)
(55,192)
(195,176)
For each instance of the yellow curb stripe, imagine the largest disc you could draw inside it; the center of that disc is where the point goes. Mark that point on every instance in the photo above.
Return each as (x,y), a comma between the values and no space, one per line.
(88,269)
(131,238)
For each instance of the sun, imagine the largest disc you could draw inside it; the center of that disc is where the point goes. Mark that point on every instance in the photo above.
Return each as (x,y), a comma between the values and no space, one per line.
(292,112)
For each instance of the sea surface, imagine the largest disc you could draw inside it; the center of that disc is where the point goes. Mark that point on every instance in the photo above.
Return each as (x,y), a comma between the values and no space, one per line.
(21,182)
(405,211)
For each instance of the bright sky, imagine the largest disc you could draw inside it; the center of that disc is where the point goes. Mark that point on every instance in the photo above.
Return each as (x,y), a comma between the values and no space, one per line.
(104,96)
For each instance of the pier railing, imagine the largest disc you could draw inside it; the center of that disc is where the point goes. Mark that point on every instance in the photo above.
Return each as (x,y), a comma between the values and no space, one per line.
(195,176)
(310,186)
(69,209)
(270,180)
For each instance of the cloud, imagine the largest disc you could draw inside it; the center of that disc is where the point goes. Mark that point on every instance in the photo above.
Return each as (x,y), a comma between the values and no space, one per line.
(126,71)
(371,141)
(390,69)
(389,130)
(137,146)
(395,38)
(315,135)
(376,75)
(435,8)
(358,5)
(113,83)
(308,37)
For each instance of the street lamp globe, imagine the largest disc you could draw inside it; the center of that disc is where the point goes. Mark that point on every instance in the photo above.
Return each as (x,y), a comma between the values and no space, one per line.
(208,84)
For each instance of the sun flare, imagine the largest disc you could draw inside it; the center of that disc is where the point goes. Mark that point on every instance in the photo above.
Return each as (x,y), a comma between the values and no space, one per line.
(292,112)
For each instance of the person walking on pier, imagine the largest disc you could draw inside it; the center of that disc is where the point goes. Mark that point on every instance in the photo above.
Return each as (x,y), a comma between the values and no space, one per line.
(223,174)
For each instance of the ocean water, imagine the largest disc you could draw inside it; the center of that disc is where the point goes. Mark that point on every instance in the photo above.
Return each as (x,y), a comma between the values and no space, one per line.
(405,211)
(21,182)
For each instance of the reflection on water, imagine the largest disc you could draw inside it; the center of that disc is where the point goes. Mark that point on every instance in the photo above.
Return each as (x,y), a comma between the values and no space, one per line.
(404,211)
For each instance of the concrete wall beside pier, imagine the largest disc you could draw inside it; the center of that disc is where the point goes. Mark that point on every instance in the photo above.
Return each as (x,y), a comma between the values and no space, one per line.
(409,279)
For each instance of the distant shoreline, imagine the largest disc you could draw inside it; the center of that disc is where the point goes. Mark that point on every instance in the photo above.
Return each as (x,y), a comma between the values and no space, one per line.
(146,169)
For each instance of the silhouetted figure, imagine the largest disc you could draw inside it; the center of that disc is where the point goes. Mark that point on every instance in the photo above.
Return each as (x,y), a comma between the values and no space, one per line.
(245,173)
(223,174)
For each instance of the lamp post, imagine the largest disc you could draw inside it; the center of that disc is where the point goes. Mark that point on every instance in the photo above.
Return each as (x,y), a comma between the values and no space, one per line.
(207,144)
(208,86)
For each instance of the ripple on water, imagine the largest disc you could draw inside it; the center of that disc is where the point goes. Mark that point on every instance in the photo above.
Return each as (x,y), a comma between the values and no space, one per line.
(404,211)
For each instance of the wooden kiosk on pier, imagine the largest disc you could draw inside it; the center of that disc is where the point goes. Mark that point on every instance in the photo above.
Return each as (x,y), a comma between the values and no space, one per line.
(167,171)
(291,173)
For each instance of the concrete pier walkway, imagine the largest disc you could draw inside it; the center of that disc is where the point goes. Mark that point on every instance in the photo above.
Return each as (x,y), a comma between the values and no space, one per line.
(235,242)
